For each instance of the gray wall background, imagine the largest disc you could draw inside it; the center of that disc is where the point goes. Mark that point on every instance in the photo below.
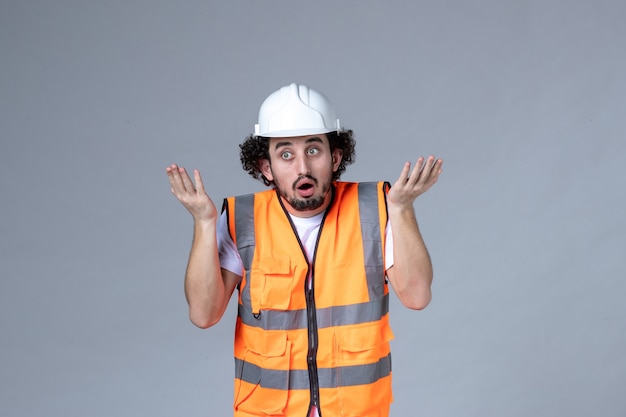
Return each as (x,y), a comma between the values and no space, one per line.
(524,100)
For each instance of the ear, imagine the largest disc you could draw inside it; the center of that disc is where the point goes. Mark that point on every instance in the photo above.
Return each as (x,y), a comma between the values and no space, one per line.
(266,169)
(337,156)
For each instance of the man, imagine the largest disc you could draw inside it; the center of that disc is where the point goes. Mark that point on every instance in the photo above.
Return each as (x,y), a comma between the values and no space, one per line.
(311,259)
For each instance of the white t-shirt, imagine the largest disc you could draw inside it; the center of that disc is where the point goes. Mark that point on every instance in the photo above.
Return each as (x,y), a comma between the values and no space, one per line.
(307,228)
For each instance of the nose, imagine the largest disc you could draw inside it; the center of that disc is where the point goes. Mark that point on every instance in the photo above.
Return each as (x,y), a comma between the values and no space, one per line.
(302,164)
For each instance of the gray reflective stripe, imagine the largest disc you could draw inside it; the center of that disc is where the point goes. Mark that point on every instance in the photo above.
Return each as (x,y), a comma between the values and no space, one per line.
(299,379)
(372,244)
(326,317)
(244,229)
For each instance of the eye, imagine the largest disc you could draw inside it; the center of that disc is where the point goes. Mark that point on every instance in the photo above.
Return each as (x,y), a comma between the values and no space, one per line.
(313,151)
(285,155)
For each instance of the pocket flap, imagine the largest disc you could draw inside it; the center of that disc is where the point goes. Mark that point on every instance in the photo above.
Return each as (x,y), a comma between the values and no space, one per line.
(362,338)
(275,266)
(266,343)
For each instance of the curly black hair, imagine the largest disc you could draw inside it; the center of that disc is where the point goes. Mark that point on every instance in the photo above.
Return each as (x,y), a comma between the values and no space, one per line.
(255,148)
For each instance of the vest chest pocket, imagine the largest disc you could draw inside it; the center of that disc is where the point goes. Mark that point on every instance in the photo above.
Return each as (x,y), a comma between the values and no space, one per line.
(275,280)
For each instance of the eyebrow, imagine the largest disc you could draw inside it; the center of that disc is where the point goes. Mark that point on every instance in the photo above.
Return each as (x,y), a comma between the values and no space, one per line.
(288,143)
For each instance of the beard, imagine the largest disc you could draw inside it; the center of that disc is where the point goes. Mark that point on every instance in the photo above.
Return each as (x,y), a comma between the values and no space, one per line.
(304,204)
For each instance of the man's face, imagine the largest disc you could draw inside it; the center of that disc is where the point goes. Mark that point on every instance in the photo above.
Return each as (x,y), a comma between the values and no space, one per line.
(302,168)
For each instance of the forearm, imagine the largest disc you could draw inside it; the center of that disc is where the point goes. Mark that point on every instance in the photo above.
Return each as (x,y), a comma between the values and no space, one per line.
(411,275)
(204,286)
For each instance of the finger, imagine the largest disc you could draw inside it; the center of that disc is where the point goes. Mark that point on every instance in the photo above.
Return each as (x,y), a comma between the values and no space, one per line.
(416,173)
(404,174)
(174,177)
(170,170)
(429,168)
(180,180)
(438,166)
(198,181)
(418,169)
(186,181)
(433,174)
(435,170)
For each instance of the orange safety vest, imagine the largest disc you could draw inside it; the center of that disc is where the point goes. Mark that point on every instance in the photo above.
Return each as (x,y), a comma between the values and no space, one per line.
(326,346)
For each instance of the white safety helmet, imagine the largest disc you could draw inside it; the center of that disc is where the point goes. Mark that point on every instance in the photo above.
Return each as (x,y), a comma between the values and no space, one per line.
(296,110)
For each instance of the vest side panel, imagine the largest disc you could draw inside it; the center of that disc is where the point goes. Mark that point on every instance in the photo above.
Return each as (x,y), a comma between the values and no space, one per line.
(271,369)
(356,352)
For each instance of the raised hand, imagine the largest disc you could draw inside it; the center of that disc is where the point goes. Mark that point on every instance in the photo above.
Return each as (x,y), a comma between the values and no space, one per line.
(193,197)
(409,186)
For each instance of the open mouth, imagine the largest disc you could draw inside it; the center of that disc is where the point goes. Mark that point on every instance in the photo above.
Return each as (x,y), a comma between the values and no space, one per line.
(305,186)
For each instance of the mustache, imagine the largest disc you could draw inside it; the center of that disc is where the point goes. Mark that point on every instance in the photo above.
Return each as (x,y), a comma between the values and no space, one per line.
(303,177)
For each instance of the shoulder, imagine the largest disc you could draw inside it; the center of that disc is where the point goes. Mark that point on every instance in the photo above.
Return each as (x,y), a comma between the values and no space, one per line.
(267,192)
(229,202)
(363,189)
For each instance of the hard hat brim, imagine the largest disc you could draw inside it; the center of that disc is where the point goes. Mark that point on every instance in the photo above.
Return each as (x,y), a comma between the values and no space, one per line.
(294,133)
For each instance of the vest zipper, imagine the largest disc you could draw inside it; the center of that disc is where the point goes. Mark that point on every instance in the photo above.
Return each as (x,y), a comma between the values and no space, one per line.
(312,352)
(309,287)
